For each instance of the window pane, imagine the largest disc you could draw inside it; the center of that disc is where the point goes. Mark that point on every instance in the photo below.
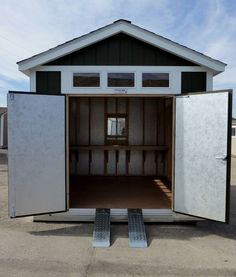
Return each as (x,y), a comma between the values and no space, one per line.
(155,79)
(111,126)
(120,79)
(116,126)
(86,80)
(121,131)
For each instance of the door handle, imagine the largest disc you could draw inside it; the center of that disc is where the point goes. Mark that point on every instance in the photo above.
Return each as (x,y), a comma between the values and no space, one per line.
(222,157)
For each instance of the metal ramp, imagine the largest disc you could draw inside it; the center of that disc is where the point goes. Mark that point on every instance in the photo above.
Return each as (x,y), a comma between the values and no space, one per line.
(137,233)
(101,231)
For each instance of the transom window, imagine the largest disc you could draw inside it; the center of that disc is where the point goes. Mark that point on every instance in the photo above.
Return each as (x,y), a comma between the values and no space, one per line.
(120,80)
(116,129)
(155,79)
(86,80)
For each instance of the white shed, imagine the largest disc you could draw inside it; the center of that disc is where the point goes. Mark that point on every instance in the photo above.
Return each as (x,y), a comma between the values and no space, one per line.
(120,120)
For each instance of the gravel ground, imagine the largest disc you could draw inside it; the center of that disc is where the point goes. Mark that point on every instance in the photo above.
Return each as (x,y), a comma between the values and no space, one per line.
(59,249)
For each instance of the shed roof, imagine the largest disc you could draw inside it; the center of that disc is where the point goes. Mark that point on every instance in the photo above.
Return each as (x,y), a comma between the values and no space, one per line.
(130,29)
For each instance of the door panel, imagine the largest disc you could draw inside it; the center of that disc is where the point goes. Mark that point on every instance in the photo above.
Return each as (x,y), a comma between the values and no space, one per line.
(36,154)
(201,149)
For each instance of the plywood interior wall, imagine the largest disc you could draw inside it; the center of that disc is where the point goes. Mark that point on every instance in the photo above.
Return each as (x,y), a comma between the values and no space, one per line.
(149,124)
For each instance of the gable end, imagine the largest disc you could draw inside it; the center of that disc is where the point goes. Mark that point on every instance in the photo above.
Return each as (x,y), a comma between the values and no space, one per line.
(121,49)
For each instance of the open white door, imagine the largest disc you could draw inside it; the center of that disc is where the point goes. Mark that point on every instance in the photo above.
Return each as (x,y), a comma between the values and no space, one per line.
(36,154)
(202,155)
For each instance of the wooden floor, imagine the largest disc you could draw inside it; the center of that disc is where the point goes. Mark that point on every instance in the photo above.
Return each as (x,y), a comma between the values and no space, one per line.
(119,192)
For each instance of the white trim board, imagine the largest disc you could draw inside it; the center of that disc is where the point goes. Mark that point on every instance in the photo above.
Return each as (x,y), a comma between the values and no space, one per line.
(174,73)
(129,29)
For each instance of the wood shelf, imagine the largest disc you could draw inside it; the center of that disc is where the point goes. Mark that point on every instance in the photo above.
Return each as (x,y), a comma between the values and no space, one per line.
(120,147)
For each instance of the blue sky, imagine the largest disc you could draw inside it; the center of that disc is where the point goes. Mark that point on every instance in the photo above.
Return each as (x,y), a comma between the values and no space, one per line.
(28,27)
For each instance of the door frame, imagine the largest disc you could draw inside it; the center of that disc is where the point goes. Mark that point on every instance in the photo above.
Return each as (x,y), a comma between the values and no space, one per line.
(228,170)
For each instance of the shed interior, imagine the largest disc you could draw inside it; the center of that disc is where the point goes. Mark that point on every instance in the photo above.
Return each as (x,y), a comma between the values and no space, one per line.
(120,152)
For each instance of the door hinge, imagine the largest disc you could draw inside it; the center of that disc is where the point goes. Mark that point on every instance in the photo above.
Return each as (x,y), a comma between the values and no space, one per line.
(184,96)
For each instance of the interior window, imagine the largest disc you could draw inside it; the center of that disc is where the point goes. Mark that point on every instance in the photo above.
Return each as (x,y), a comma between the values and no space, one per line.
(86,79)
(116,129)
(120,79)
(155,79)
(111,126)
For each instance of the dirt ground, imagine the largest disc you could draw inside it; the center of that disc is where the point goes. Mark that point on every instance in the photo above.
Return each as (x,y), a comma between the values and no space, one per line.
(59,249)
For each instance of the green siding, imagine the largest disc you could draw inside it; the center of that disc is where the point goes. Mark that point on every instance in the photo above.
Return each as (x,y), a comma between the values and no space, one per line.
(121,49)
(193,82)
(48,82)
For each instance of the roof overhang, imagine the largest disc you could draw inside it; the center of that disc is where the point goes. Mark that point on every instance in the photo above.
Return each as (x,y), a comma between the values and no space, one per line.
(130,29)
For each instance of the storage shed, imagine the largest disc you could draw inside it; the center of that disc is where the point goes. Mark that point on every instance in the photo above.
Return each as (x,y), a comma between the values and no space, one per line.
(120,120)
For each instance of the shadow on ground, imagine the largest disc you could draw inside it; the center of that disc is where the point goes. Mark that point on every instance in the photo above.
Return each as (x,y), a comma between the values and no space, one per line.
(181,231)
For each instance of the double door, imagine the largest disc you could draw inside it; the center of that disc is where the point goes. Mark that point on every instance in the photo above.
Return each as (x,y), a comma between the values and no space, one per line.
(201,158)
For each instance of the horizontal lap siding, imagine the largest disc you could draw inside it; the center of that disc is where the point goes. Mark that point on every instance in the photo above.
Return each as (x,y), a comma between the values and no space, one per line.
(121,49)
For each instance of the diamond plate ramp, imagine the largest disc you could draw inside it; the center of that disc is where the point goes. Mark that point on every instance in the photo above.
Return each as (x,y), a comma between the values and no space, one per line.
(101,231)
(137,233)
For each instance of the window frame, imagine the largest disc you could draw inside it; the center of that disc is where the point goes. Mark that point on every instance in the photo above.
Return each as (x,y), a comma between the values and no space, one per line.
(114,139)
(87,72)
(157,72)
(121,72)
